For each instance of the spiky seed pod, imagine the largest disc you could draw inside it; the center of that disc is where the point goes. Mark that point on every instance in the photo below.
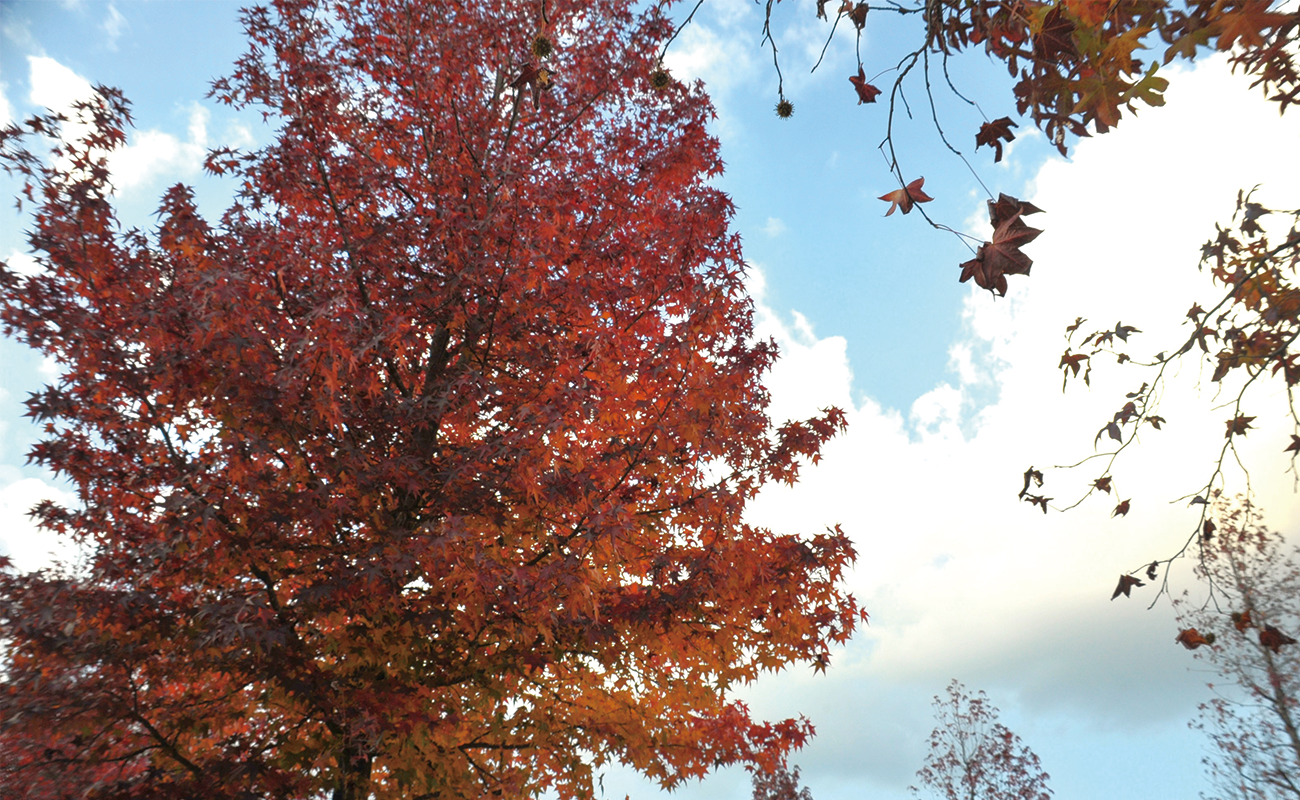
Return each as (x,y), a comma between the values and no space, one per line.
(660,79)
(785,109)
(542,47)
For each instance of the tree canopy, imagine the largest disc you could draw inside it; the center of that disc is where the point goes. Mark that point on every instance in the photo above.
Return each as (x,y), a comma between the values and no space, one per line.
(421,472)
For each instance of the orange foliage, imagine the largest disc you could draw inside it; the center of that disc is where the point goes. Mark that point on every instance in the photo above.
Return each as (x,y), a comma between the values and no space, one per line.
(422,472)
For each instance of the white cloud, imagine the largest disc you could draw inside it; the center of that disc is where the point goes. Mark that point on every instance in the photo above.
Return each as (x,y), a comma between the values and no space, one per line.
(114,24)
(774,227)
(699,53)
(6,110)
(150,155)
(29,547)
(961,579)
(55,86)
(22,263)
(153,154)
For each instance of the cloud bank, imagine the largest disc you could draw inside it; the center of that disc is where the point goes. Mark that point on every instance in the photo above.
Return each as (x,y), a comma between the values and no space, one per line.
(964,581)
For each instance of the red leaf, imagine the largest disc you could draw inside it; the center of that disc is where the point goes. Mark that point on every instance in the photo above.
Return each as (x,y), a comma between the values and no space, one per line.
(534,77)
(1274,639)
(903,199)
(1192,638)
(866,93)
(1121,510)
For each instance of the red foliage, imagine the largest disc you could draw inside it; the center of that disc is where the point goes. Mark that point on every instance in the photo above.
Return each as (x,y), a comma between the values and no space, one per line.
(779,784)
(974,755)
(866,92)
(422,472)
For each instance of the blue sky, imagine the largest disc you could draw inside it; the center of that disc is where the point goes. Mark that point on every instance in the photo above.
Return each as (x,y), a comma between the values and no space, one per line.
(950,393)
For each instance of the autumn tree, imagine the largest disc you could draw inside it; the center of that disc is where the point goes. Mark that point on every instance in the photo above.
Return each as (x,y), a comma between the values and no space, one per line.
(421,472)
(1246,632)
(779,783)
(972,756)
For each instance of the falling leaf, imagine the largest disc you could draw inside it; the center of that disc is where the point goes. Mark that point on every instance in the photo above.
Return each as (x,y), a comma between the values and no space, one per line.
(903,199)
(1274,639)
(1126,584)
(994,133)
(1192,639)
(1121,510)
(866,92)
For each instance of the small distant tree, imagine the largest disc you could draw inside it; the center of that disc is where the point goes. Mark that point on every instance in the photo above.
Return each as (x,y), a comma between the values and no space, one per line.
(975,757)
(1246,633)
(779,784)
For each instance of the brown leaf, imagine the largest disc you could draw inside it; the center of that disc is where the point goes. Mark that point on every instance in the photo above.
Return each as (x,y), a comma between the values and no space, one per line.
(1126,584)
(1241,621)
(859,15)
(1002,256)
(1031,474)
(1102,484)
(1038,500)
(994,133)
(1006,207)
(1238,425)
(1121,510)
